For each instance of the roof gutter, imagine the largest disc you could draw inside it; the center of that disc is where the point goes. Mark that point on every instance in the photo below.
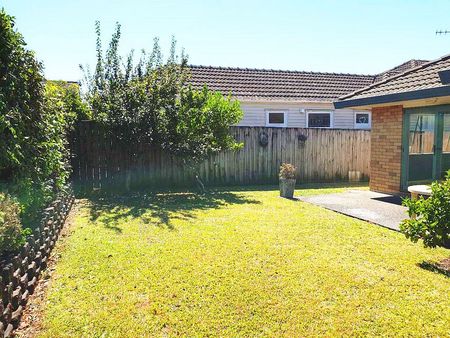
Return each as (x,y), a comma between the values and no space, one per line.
(392,98)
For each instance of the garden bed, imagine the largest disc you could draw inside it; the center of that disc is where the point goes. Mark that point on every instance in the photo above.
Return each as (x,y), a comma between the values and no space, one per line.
(20,272)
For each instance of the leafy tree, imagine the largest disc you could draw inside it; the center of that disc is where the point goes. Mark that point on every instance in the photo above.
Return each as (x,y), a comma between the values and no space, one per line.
(35,118)
(150,101)
(21,102)
(201,125)
(65,97)
(430,218)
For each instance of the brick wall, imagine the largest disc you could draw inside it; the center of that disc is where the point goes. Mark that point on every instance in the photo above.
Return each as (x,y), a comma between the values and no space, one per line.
(386,147)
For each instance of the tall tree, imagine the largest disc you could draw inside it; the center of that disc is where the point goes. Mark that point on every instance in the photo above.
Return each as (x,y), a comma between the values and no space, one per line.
(151,101)
(21,101)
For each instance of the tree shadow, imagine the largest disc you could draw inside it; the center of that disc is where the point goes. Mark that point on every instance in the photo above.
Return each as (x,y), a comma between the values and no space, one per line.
(434,267)
(157,208)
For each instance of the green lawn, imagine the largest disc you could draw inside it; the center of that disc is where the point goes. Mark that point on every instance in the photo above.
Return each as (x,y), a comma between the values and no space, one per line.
(239,263)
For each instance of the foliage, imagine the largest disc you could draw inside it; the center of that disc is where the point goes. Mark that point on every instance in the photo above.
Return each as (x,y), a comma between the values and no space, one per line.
(35,118)
(238,262)
(150,101)
(21,103)
(203,122)
(31,197)
(287,171)
(66,98)
(11,234)
(33,123)
(430,217)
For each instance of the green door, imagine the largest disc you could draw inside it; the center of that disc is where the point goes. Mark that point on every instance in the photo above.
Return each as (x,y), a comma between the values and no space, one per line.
(426,145)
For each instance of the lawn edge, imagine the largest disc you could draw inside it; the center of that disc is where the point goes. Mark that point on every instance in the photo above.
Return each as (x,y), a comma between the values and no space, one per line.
(31,324)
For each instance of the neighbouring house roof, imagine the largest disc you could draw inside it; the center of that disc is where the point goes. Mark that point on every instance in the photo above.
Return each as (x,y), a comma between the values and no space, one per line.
(421,82)
(400,69)
(281,85)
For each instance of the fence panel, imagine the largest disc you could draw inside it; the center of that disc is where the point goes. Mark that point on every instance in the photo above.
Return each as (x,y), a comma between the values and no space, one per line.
(98,159)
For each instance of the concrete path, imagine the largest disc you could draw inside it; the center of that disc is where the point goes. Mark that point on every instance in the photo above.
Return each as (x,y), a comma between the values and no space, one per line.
(381,209)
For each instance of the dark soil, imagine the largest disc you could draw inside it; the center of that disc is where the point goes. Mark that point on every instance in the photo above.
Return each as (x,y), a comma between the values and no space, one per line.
(444,265)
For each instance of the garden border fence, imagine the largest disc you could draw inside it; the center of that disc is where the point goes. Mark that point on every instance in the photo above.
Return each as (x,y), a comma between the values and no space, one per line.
(20,272)
(99,160)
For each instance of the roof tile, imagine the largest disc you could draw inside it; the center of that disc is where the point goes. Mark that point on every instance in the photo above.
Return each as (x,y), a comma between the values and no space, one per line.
(269,84)
(277,84)
(424,76)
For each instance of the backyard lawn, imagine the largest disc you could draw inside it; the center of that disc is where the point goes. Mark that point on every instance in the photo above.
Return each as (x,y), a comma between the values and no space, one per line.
(239,263)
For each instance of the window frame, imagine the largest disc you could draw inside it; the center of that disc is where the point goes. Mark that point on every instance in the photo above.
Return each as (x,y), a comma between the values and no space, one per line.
(362,125)
(277,125)
(320,111)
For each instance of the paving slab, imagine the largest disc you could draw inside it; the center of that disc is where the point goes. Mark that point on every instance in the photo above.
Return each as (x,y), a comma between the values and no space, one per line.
(382,209)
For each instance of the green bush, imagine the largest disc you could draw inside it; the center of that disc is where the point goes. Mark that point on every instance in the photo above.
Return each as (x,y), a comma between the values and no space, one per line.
(35,119)
(11,234)
(21,103)
(150,101)
(430,217)
(32,198)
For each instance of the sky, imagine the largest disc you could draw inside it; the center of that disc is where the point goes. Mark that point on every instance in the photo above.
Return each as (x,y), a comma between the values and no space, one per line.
(365,37)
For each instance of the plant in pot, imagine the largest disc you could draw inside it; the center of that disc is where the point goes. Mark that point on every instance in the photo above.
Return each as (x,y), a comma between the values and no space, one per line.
(287,180)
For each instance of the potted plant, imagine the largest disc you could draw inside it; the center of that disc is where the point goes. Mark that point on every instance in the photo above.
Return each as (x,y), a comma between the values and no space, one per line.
(287,180)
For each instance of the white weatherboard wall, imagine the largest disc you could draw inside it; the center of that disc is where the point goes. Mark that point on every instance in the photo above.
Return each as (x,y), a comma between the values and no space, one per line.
(255,114)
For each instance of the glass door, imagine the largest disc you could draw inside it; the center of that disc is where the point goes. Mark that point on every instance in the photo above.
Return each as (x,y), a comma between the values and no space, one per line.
(421,140)
(445,160)
(425,145)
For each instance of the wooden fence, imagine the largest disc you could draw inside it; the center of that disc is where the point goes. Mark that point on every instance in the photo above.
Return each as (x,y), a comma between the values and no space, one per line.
(319,154)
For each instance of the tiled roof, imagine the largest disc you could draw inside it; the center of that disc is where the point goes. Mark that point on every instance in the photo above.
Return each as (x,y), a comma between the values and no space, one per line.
(262,84)
(424,76)
(400,69)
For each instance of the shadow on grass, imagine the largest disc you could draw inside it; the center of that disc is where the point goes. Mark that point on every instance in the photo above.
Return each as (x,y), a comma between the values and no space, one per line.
(157,208)
(434,267)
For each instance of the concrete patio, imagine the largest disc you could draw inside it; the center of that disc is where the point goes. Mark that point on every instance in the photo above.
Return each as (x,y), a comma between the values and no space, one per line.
(382,209)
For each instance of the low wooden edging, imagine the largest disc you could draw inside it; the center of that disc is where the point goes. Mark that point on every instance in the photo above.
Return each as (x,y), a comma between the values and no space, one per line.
(20,273)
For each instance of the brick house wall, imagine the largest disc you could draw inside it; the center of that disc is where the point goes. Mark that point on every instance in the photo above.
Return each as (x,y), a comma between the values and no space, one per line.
(386,149)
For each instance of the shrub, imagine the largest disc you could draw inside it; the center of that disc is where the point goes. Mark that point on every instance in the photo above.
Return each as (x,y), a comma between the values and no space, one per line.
(150,101)
(35,118)
(11,234)
(21,102)
(430,217)
(65,97)
(287,171)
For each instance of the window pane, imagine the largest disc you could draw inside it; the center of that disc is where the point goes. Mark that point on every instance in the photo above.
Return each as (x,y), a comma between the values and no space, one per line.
(319,120)
(362,118)
(421,134)
(276,118)
(446,137)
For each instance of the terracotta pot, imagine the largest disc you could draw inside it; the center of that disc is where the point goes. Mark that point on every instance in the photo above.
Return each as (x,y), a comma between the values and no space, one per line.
(287,187)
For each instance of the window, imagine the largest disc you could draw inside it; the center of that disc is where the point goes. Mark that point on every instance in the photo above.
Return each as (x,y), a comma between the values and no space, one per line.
(276,119)
(446,136)
(319,119)
(421,133)
(362,120)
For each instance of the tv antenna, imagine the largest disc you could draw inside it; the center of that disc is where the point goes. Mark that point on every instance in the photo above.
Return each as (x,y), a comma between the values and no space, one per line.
(441,32)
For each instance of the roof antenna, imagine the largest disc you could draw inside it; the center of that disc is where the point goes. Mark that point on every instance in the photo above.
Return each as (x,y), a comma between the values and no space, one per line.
(441,32)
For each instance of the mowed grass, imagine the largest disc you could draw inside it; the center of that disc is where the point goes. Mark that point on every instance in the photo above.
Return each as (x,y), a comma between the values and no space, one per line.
(239,263)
